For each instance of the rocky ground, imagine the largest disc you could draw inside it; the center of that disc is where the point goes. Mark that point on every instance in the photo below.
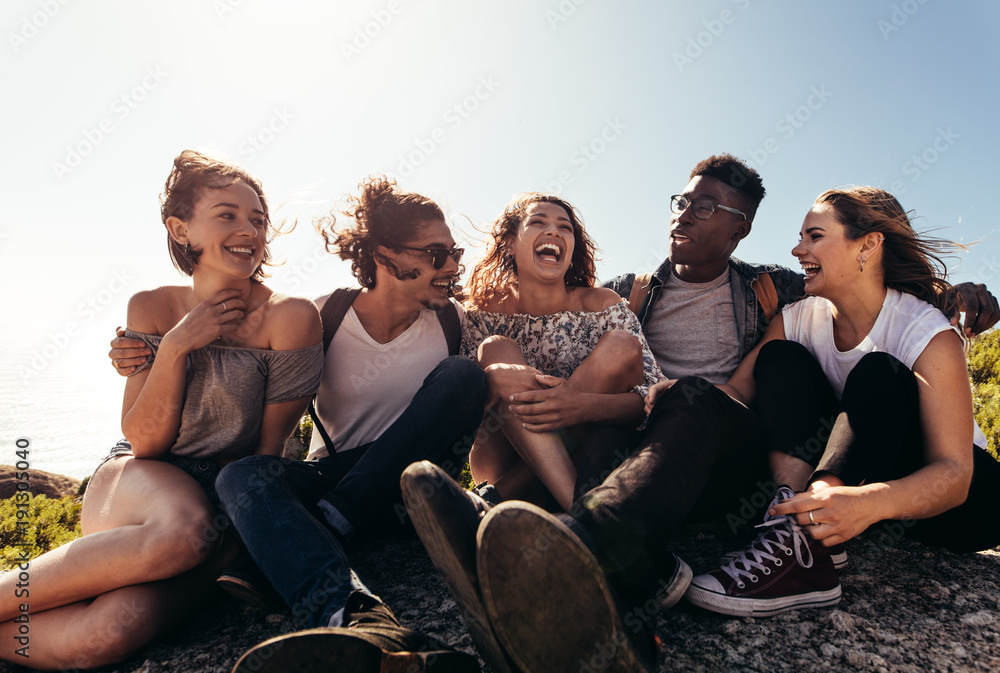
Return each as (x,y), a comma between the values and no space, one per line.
(906,607)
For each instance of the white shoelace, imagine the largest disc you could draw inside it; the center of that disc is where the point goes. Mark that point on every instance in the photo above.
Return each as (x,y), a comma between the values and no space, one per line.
(783,529)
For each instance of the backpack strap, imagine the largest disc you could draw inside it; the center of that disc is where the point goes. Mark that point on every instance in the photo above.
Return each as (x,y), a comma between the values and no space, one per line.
(640,288)
(336,307)
(452,326)
(332,314)
(763,287)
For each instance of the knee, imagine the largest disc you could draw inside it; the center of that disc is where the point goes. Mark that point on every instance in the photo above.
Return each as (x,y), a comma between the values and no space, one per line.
(623,352)
(687,392)
(880,375)
(496,349)
(241,481)
(180,540)
(779,354)
(461,379)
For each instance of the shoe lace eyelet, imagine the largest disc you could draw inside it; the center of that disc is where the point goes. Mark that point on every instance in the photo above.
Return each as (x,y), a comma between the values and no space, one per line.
(767,571)
(753,578)
(778,562)
(741,585)
(788,552)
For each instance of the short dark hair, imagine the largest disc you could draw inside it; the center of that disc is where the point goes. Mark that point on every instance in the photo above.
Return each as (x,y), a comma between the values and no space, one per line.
(734,172)
(192,173)
(383,215)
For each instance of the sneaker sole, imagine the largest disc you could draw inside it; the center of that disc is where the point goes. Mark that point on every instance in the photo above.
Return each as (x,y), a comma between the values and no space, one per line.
(760,607)
(536,577)
(457,566)
(673,591)
(340,649)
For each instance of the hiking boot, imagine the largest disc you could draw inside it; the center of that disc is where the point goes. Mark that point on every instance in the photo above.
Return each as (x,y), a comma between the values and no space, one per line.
(548,600)
(371,641)
(447,517)
(245,581)
(782,569)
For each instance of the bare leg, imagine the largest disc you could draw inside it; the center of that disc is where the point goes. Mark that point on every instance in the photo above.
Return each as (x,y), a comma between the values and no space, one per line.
(142,520)
(506,373)
(112,626)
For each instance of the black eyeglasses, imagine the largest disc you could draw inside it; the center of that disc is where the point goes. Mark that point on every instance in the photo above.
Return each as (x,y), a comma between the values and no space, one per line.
(702,208)
(439,255)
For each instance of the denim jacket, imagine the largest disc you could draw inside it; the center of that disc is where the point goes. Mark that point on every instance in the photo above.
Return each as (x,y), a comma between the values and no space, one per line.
(750,319)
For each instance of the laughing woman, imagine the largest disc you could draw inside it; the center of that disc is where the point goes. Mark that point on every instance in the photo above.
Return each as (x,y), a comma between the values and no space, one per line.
(865,395)
(233,367)
(558,352)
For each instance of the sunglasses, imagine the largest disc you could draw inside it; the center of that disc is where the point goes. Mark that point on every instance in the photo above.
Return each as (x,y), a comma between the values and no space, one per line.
(439,255)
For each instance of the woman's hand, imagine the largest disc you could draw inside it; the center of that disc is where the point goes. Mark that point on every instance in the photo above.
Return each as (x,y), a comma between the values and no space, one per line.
(655,391)
(554,406)
(212,319)
(504,380)
(127,355)
(839,513)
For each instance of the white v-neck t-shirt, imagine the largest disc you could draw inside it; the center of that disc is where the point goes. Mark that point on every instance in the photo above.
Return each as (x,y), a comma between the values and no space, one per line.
(366,385)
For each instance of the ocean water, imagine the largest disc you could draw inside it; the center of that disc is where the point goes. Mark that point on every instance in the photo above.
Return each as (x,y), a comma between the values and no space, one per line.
(59,392)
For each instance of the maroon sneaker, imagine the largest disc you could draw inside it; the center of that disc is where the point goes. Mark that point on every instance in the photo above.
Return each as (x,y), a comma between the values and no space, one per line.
(783,569)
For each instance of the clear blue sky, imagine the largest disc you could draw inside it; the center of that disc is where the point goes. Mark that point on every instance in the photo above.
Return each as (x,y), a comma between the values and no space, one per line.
(470,101)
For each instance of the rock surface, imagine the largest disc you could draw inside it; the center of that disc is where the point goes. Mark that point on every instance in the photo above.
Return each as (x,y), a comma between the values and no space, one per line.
(39,483)
(906,607)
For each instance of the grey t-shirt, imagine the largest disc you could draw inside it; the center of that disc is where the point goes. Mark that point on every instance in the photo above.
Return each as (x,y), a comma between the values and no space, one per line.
(692,329)
(227,389)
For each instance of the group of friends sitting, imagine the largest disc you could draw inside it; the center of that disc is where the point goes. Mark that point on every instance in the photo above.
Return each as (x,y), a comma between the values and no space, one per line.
(595,420)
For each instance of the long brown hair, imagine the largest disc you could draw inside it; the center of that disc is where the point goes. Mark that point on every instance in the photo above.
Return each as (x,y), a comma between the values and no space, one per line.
(910,262)
(496,273)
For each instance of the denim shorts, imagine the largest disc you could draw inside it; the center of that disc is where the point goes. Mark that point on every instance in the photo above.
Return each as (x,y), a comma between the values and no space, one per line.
(202,470)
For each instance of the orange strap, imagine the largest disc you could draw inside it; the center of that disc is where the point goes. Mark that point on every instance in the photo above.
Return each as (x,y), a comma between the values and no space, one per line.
(763,287)
(640,288)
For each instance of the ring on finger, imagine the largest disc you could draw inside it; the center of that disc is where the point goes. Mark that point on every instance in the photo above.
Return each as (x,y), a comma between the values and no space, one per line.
(114,361)
(811,519)
(224,307)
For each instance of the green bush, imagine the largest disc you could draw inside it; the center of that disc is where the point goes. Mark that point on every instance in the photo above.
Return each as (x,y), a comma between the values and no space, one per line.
(46,524)
(984,372)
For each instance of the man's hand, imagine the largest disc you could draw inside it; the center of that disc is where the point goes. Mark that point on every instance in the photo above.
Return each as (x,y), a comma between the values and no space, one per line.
(980,308)
(555,406)
(127,355)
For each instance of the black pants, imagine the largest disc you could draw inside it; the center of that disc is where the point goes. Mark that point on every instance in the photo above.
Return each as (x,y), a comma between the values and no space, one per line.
(700,450)
(872,434)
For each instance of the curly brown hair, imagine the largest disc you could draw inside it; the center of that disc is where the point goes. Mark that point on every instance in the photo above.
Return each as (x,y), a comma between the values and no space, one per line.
(192,173)
(496,273)
(910,262)
(384,216)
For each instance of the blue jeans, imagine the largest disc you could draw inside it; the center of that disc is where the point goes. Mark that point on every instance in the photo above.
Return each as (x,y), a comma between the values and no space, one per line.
(272,500)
